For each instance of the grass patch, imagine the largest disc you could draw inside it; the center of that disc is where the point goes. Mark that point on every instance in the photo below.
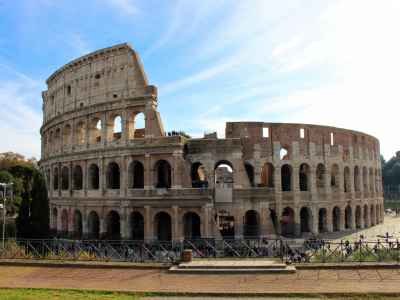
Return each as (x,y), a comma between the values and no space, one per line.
(46,293)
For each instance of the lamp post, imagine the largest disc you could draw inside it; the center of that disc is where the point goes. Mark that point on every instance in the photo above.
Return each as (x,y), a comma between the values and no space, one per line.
(4,185)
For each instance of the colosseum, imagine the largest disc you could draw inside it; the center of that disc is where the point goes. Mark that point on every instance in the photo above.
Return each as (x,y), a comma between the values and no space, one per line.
(108,178)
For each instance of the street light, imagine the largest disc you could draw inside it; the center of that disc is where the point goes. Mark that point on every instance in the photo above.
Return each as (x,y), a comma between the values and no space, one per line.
(4,185)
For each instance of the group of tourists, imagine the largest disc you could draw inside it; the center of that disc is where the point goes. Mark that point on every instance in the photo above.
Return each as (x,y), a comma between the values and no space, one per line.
(226,224)
(203,184)
(181,133)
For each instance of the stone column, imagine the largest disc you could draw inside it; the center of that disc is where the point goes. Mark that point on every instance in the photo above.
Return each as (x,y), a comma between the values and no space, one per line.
(342,218)
(87,132)
(353,217)
(206,233)
(103,227)
(147,223)
(238,170)
(148,173)
(175,232)
(238,222)
(314,221)
(297,221)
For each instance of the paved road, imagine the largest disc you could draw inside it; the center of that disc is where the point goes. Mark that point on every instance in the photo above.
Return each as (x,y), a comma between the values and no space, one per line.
(159,280)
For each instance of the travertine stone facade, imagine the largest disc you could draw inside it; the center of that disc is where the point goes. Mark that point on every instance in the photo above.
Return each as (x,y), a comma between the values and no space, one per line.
(140,183)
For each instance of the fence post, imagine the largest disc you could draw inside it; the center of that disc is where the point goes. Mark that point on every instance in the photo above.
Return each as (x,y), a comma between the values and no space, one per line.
(74,250)
(341,250)
(181,248)
(281,248)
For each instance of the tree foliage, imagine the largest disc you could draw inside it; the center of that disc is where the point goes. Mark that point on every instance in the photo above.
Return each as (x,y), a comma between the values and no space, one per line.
(40,210)
(9,159)
(391,174)
(23,219)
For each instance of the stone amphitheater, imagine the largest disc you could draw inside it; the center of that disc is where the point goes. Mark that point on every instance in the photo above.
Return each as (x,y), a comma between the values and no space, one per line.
(108,178)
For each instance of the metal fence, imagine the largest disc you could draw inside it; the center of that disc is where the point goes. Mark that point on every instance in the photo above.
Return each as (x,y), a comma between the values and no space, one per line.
(311,251)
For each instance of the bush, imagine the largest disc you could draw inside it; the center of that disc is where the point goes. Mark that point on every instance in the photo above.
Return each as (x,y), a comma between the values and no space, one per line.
(10,230)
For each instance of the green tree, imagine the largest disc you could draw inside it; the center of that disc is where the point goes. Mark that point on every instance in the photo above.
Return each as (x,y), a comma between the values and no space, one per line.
(9,159)
(23,220)
(12,203)
(10,231)
(40,211)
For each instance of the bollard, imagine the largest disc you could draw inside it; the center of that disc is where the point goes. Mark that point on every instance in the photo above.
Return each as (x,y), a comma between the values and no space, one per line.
(187,255)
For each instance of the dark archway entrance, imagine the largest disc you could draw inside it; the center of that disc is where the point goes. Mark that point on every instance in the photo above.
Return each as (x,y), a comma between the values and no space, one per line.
(77,224)
(251,224)
(113,226)
(250,173)
(136,175)
(93,225)
(192,225)
(288,226)
(113,176)
(136,226)
(304,220)
(164,227)
(286,176)
(358,217)
(94,177)
(64,223)
(336,218)
(323,220)
(226,223)
(163,174)
(347,217)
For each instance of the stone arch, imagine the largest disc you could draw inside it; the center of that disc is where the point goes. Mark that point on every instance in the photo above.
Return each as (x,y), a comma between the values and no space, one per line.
(79,133)
(323,220)
(250,173)
(268,175)
(77,178)
(77,224)
(136,175)
(348,217)
(220,171)
(55,179)
(45,143)
(93,177)
(57,140)
(113,225)
(226,223)
(163,174)
(54,219)
(185,152)
(357,179)
(163,226)
(93,225)
(288,227)
(304,181)
(336,218)
(251,224)
(65,178)
(334,175)
(48,175)
(286,177)
(51,140)
(67,136)
(376,182)
(197,174)
(112,126)
(346,179)
(64,223)
(95,131)
(113,176)
(305,219)
(359,220)
(373,215)
(137,125)
(136,226)
(191,225)
(285,153)
(367,221)
(371,179)
(320,174)
(365,180)
(378,219)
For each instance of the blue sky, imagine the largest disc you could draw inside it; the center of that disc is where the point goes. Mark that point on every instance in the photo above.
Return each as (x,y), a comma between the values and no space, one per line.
(318,62)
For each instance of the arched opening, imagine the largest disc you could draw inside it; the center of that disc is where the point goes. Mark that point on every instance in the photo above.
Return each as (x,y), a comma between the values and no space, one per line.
(372,215)
(45,144)
(77,224)
(97,80)
(57,140)
(346,156)
(358,217)
(366,216)
(285,153)
(304,220)
(223,169)
(197,175)
(113,226)
(365,180)
(288,226)
(286,176)
(51,142)
(67,136)
(55,179)
(163,174)
(94,177)
(79,133)
(137,126)
(378,220)
(250,173)
(336,218)
(163,226)
(348,217)
(357,179)
(68,90)
(376,182)
(303,177)
(136,226)
(226,223)
(136,175)
(192,225)
(64,223)
(334,176)
(77,178)
(65,179)
(267,175)
(95,131)
(54,220)
(114,128)
(322,220)
(346,179)
(251,224)
(320,175)
(371,180)
(274,219)
(185,152)
(48,179)
(113,176)
(93,225)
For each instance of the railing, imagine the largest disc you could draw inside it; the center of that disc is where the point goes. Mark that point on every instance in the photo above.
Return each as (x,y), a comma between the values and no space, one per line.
(169,252)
